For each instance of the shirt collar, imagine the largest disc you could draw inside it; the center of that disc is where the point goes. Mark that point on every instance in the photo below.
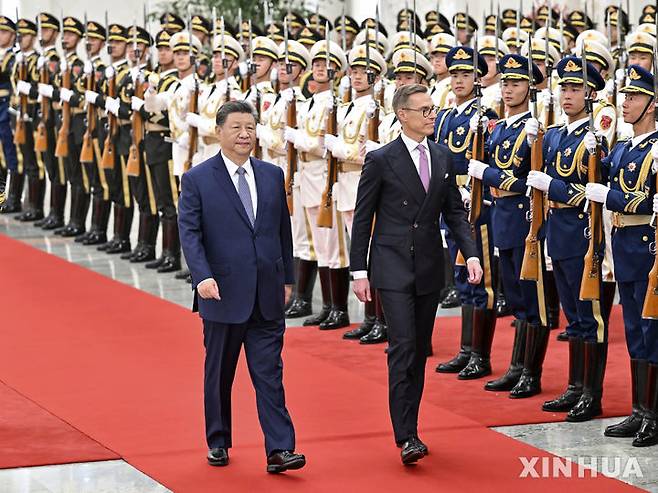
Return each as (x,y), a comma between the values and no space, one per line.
(462,107)
(573,126)
(640,138)
(412,144)
(232,168)
(513,119)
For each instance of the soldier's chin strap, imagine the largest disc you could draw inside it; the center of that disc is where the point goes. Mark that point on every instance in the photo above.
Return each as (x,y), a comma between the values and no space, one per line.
(644,111)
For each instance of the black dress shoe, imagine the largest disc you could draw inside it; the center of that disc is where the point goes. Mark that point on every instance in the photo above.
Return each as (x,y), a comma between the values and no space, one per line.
(72,231)
(411,451)
(422,446)
(337,319)
(563,336)
(121,246)
(171,263)
(319,318)
(284,460)
(218,457)
(361,330)
(456,364)
(146,253)
(95,238)
(299,308)
(83,237)
(452,299)
(376,335)
(183,274)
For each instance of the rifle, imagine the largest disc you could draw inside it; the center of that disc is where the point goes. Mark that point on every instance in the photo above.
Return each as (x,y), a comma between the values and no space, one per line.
(291,121)
(253,81)
(87,151)
(193,106)
(531,266)
(107,159)
(136,120)
(501,106)
(590,286)
(325,217)
(41,139)
(550,111)
(20,136)
(62,147)
(225,63)
(477,151)
(650,308)
(373,122)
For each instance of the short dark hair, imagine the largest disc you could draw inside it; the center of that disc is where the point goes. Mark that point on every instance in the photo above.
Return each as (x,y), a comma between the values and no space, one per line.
(402,94)
(233,107)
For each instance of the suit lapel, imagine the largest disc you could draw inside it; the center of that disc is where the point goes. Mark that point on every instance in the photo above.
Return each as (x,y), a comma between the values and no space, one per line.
(261,183)
(225,181)
(403,166)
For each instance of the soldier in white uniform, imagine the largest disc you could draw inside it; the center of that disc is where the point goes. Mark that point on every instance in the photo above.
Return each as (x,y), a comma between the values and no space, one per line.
(491,93)
(440,91)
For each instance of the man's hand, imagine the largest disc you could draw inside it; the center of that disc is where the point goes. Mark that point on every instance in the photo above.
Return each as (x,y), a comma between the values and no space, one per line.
(208,289)
(361,288)
(474,270)
(288,294)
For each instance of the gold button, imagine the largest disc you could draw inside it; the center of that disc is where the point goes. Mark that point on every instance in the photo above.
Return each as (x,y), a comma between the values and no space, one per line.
(520,206)
(580,216)
(645,238)
(616,179)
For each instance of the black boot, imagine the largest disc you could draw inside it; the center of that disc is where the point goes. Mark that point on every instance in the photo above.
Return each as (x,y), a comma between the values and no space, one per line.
(452,299)
(55,219)
(141,236)
(170,247)
(123,217)
(325,288)
(502,308)
(552,300)
(479,364)
(648,433)
(535,351)
(378,333)
(607,298)
(79,209)
(513,373)
(100,216)
(457,364)
(302,305)
(367,324)
(570,397)
(589,405)
(13,203)
(340,286)
(150,223)
(632,424)
(36,190)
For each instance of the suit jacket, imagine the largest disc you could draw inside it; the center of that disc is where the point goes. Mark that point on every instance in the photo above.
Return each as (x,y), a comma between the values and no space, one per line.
(250,264)
(406,253)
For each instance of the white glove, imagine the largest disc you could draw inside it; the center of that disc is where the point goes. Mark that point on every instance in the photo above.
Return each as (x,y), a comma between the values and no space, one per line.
(109,72)
(288,95)
(63,66)
(330,142)
(265,135)
(88,68)
(193,120)
(19,57)
(260,130)
(620,76)
(112,105)
(466,197)
(345,85)
(498,95)
(378,86)
(301,142)
(596,192)
(46,90)
(371,145)
(655,203)
(590,142)
(65,94)
(547,98)
(476,168)
(654,154)
(371,108)
(41,61)
(91,97)
(473,123)
(184,140)
(339,149)
(23,87)
(134,72)
(531,130)
(189,84)
(274,75)
(136,103)
(290,134)
(243,68)
(539,180)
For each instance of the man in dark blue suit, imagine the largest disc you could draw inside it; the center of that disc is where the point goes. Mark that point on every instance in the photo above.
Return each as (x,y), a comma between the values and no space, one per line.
(235,233)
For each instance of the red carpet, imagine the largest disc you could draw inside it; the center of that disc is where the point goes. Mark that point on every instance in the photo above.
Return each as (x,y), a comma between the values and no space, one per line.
(125,368)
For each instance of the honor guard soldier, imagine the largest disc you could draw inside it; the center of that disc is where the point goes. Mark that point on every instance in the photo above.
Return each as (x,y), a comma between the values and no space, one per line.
(157,148)
(465,26)
(30,164)
(515,39)
(94,137)
(628,195)
(348,27)
(566,151)
(9,161)
(491,89)
(171,23)
(294,60)
(224,87)
(330,243)
(439,46)
(48,66)
(579,20)
(505,171)
(201,28)
(453,128)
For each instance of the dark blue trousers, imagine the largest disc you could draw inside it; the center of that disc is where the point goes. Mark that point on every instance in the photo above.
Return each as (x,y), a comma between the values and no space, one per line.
(7,138)
(522,296)
(641,334)
(263,342)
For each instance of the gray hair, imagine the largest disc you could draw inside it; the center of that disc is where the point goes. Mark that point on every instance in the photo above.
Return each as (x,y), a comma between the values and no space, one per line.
(233,107)
(402,95)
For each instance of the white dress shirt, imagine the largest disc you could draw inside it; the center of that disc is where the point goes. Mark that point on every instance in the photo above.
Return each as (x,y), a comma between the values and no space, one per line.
(640,138)
(232,169)
(574,125)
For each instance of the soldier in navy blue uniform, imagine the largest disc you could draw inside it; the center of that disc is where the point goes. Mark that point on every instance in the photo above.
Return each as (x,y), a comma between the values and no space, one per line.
(9,162)
(453,128)
(566,152)
(628,197)
(506,169)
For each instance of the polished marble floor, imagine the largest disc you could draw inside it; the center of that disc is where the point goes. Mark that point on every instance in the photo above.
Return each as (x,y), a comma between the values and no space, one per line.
(112,476)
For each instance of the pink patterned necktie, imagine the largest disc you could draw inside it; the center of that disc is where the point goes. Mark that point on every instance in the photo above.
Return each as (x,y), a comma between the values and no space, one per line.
(424,167)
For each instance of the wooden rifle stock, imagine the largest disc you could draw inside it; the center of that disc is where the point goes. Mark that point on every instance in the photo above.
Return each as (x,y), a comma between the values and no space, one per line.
(107,160)
(477,190)
(19,135)
(291,154)
(137,127)
(62,146)
(87,151)
(41,140)
(194,132)
(325,217)
(590,287)
(531,266)
(258,152)
(650,308)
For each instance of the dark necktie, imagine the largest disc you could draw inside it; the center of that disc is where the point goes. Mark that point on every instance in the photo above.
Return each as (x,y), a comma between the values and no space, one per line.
(245,194)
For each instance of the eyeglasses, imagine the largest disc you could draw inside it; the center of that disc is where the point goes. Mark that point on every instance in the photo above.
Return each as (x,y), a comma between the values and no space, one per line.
(425,110)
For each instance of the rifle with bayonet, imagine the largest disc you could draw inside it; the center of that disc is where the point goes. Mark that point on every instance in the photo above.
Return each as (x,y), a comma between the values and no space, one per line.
(136,120)
(650,308)
(477,149)
(62,145)
(590,286)
(87,151)
(291,121)
(109,151)
(550,111)
(325,216)
(531,265)
(253,81)
(193,106)
(225,62)
(41,139)
(373,122)
(20,137)
(501,105)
